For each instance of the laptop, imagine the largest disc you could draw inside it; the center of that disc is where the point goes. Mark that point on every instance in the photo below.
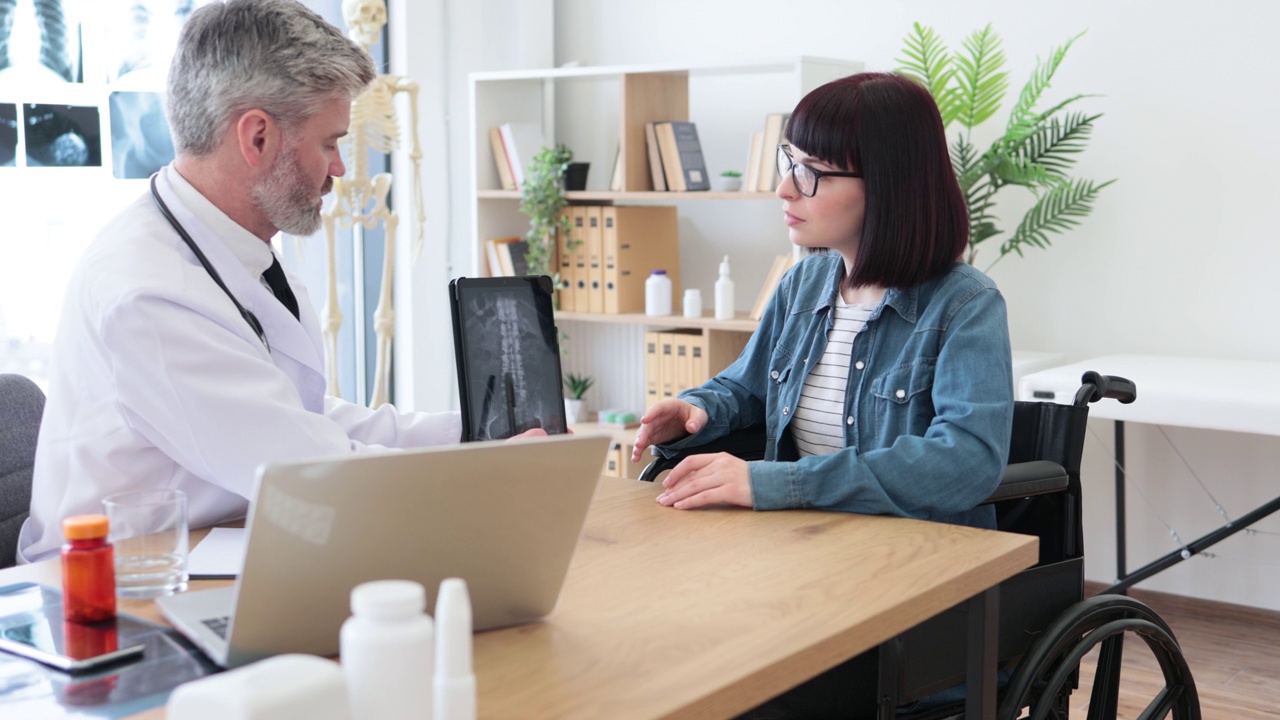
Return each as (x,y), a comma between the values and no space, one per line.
(504,515)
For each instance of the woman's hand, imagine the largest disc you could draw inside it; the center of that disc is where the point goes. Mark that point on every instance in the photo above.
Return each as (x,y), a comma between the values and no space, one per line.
(667,420)
(711,479)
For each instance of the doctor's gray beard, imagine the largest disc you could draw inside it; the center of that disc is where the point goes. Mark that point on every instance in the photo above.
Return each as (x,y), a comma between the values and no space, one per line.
(286,199)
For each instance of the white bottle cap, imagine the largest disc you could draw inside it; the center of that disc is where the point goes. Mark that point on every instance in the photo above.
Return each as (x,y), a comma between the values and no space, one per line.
(388,599)
(724,266)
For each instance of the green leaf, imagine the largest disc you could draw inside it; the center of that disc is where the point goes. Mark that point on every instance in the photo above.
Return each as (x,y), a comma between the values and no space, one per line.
(982,81)
(1058,210)
(928,62)
(1054,145)
(541,198)
(1023,116)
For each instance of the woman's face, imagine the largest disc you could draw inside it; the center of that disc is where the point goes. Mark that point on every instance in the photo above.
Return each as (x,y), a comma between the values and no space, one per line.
(832,218)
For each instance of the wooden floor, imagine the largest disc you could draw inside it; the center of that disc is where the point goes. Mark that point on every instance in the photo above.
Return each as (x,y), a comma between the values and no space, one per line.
(1233,651)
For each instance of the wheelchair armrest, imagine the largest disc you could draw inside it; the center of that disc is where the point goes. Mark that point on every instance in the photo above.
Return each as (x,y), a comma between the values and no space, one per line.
(747,444)
(1026,479)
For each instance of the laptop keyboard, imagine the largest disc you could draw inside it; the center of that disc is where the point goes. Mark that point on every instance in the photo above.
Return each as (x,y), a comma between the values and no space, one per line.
(218,625)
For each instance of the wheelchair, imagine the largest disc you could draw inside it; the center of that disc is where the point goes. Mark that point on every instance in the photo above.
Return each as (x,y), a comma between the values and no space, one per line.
(1046,626)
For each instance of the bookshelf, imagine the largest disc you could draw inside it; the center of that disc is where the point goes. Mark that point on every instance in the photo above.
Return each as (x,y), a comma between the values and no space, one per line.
(599,113)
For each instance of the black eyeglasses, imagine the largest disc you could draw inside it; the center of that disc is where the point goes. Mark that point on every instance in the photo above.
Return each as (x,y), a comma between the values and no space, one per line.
(806,177)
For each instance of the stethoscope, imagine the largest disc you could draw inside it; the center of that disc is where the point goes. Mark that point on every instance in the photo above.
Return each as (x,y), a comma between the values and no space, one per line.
(208,267)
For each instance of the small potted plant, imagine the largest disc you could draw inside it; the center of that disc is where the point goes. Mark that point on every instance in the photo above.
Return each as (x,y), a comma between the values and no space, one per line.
(730,181)
(576,386)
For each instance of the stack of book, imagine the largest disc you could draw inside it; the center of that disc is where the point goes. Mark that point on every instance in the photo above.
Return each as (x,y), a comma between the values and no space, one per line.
(762,156)
(514,146)
(675,156)
(507,256)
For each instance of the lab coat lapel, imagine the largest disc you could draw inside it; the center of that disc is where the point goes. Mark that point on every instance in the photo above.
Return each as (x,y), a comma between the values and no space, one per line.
(285,334)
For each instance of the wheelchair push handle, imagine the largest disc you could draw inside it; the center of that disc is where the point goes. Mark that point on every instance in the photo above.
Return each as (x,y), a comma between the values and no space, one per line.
(1094,386)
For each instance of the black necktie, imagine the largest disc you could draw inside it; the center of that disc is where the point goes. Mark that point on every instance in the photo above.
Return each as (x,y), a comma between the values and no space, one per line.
(280,286)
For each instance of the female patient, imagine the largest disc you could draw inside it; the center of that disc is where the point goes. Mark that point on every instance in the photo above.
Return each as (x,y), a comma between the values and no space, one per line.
(881,368)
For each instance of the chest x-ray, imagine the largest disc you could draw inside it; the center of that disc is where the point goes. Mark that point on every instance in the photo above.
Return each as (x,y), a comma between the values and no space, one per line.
(40,42)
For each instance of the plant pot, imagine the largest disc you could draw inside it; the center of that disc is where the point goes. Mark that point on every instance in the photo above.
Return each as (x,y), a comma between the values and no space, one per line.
(572,410)
(575,176)
(728,184)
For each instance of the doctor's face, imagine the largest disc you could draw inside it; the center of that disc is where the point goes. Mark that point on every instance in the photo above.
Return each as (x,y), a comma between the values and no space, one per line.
(290,196)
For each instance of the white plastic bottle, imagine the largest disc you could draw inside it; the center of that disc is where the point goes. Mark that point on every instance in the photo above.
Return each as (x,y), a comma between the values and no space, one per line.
(388,652)
(657,293)
(724,292)
(455,680)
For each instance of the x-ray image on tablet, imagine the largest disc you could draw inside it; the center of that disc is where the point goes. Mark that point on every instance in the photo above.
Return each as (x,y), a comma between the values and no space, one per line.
(508,356)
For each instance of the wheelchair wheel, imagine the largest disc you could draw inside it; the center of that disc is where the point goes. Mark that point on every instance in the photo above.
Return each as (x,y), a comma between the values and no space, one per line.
(1047,674)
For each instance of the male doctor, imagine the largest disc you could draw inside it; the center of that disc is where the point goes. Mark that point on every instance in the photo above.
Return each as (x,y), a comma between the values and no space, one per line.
(159,380)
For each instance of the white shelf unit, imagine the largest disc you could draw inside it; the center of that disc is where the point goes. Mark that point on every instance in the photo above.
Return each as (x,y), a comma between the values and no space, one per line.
(599,111)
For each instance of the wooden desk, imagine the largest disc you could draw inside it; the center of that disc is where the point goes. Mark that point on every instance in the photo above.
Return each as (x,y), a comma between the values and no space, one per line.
(671,614)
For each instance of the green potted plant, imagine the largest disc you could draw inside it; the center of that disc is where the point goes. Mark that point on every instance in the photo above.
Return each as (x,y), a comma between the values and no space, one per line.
(576,386)
(730,180)
(542,198)
(1035,151)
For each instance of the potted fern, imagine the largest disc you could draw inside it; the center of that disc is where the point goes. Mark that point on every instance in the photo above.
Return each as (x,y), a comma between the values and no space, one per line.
(542,198)
(577,386)
(1035,151)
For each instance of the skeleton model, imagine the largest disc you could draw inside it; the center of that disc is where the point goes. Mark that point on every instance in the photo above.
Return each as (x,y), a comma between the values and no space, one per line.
(360,201)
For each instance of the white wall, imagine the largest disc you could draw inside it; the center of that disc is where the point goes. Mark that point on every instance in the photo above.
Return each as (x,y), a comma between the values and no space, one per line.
(1176,259)
(438,43)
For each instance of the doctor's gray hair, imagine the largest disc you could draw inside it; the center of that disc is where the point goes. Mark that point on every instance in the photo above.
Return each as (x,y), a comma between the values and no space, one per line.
(277,56)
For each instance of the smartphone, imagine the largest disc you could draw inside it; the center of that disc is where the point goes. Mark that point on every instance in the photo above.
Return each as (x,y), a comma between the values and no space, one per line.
(31,625)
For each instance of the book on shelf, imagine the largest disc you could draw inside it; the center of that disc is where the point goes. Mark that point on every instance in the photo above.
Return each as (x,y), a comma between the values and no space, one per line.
(767,181)
(522,141)
(514,257)
(779,268)
(615,180)
(656,173)
(500,161)
(752,178)
(670,156)
(689,160)
(497,268)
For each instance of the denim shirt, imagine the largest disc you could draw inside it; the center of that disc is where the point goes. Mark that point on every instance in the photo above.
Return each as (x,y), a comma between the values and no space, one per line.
(928,406)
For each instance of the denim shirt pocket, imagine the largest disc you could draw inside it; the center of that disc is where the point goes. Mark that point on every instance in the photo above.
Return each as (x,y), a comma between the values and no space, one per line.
(903,399)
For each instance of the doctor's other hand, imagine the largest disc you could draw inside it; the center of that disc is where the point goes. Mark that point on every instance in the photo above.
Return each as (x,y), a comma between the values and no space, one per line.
(711,479)
(667,420)
(533,433)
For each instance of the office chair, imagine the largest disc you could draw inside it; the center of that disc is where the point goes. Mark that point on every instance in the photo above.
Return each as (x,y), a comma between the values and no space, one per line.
(21,406)
(1045,625)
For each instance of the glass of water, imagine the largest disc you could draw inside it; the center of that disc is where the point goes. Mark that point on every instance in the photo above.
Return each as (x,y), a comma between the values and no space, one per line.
(148,533)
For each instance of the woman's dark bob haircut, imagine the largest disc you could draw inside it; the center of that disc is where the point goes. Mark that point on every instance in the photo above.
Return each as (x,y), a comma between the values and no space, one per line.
(887,127)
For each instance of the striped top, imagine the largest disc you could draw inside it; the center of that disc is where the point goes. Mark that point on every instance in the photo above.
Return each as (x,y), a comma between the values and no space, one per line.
(819,420)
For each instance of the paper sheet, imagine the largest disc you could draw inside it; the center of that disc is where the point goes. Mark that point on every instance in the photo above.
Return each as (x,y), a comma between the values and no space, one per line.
(219,555)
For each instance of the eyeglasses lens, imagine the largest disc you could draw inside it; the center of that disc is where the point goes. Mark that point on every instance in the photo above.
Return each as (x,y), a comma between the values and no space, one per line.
(806,182)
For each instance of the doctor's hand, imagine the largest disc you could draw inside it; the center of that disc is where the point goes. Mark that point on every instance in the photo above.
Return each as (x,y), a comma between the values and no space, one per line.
(534,433)
(667,420)
(710,479)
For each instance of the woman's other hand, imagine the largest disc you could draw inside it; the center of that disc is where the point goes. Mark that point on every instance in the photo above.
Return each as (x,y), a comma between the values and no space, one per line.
(711,479)
(667,420)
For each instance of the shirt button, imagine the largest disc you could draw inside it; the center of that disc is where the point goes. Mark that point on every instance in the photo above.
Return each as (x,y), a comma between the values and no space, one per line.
(859,365)
(900,394)
(848,420)
(774,374)
(786,410)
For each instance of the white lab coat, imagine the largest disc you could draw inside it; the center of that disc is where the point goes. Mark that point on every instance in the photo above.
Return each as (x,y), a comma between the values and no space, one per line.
(158,382)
